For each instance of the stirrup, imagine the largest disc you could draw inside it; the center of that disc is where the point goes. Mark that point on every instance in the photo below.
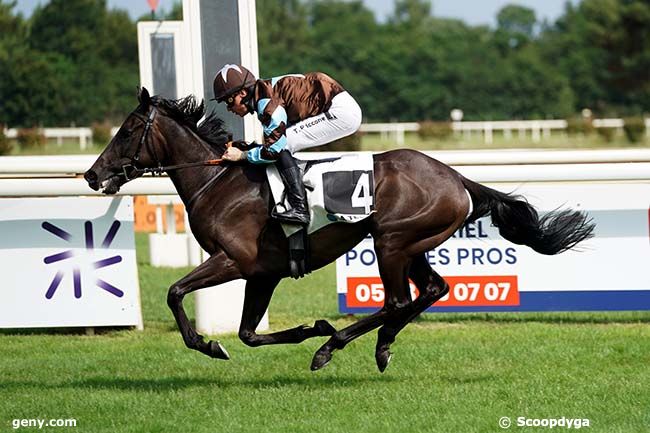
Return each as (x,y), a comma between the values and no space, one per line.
(291,216)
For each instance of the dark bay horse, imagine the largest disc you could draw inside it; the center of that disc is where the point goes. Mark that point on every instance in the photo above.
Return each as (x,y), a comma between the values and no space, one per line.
(419,202)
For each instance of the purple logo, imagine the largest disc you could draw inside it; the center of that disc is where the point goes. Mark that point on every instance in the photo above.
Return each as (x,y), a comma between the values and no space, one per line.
(76,272)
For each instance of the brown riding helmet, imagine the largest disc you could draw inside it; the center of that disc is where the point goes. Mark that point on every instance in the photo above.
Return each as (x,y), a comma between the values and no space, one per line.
(231,79)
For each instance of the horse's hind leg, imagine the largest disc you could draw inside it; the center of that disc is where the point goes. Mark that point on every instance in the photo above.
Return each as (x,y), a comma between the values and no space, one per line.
(256,301)
(431,286)
(218,269)
(393,268)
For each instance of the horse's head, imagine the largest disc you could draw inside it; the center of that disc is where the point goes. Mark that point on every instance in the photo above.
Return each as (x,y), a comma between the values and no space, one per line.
(132,149)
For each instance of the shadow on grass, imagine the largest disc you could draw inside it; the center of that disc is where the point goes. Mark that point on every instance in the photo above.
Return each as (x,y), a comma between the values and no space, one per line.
(165,384)
(90,331)
(578,317)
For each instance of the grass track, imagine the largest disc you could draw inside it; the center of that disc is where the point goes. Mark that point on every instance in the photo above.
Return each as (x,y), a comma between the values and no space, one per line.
(450,373)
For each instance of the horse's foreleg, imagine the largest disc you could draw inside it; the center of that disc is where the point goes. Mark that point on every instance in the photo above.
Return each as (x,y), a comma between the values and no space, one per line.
(432,287)
(256,301)
(393,268)
(218,269)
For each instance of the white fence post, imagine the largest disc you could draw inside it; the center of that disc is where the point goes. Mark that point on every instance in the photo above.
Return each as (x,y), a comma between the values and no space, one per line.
(487,131)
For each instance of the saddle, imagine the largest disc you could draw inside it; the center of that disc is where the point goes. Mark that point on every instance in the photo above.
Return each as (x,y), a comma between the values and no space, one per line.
(339,190)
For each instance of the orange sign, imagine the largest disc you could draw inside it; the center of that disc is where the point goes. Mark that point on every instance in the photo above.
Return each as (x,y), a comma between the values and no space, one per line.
(466,291)
(145,215)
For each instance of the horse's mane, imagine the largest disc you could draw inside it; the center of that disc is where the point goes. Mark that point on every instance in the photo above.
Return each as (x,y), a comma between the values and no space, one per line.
(188,111)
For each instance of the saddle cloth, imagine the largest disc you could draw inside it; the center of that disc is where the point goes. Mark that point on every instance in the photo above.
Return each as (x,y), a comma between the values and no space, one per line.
(339,190)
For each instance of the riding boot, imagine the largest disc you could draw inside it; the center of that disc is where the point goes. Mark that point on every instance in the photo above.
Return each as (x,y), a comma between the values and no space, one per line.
(295,190)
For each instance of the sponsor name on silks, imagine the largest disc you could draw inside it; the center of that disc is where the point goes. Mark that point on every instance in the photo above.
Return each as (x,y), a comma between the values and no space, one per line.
(474,256)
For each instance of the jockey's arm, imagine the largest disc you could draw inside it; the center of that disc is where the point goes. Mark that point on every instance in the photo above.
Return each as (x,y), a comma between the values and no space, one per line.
(274,120)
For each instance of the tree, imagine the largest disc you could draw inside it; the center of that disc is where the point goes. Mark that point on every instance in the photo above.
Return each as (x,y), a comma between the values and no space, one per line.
(411,12)
(603,48)
(517,20)
(282,37)
(72,28)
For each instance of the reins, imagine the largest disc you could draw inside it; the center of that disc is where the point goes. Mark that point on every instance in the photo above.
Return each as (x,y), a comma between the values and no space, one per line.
(130,171)
(160,169)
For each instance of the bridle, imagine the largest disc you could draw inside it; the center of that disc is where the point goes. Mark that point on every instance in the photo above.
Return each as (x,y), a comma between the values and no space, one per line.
(135,159)
(159,169)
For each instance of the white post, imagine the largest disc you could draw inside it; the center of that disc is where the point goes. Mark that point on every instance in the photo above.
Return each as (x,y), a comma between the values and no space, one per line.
(487,133)
(193,248)
(219,309)
(171,219)
(400,136)
(535,132)
(159,220)
(82,140)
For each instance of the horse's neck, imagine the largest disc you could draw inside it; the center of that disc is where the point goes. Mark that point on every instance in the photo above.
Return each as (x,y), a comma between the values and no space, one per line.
(187,147)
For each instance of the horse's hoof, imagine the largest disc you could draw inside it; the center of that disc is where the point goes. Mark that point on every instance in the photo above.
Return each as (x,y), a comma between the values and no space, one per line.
(383,359)
(324,328)
(321,359)
(216,350)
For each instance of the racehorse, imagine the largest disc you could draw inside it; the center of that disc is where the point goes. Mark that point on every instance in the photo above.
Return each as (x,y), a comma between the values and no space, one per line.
(419,202)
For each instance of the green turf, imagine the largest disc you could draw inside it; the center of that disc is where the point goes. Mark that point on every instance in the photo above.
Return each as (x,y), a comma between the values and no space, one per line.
(557,140)
(450,373)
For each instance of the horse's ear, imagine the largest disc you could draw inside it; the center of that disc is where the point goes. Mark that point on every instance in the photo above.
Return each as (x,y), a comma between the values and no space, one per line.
(143,97)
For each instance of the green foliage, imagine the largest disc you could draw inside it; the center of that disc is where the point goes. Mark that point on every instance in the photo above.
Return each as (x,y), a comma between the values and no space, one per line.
(579,125)
(78,64)
(101,133)
(6,146)
(634,128)
(75,61)
(30,138)
(603,48)
(351,143)
(607,134)
(434,130)
(516,25)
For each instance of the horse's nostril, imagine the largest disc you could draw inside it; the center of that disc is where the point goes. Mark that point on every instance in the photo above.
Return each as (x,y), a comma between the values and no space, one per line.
(90,176)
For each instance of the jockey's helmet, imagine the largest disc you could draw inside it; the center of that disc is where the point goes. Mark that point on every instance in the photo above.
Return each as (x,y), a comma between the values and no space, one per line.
(231,79)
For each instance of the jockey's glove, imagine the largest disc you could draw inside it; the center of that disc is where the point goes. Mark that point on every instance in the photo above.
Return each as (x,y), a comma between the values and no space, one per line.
(243,145)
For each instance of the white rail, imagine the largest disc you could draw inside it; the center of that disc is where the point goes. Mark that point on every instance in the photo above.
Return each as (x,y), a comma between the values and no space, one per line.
(71,165)
(17,174)
(538,128)
(84,135)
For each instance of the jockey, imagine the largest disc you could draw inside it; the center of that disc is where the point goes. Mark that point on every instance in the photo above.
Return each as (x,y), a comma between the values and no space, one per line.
(297,112)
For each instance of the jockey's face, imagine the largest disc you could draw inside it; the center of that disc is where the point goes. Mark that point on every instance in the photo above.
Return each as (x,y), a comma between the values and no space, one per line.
(235,105)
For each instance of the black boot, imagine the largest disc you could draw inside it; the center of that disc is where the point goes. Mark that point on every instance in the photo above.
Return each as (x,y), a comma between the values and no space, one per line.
(295,190)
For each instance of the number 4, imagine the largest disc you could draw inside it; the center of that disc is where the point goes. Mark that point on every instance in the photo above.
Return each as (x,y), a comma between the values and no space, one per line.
(361,196)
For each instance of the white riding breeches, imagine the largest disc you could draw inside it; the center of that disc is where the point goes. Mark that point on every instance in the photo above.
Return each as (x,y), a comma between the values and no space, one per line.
(342,119)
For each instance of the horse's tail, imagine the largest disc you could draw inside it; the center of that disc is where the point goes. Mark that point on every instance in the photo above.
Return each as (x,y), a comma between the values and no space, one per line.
(518,221)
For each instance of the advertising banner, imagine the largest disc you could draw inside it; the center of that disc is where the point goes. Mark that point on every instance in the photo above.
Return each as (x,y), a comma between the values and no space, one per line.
(487,273)
(68,261)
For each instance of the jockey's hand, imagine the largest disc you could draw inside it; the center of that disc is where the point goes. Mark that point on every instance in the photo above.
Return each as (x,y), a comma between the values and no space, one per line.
(233,154)
(243,145)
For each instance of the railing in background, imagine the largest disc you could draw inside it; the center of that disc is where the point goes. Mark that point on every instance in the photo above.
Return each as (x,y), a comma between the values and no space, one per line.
(538,129)
(84,135)
(61,174)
